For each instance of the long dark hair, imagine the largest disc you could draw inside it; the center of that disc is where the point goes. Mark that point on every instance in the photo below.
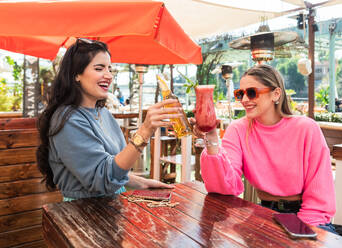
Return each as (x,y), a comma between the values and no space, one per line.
(65,92)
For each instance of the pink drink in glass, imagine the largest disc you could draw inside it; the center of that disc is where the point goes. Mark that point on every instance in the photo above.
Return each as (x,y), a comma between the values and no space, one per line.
(205,110)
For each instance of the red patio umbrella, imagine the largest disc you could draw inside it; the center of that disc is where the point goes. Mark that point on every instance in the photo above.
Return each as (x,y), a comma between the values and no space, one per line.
(137,32)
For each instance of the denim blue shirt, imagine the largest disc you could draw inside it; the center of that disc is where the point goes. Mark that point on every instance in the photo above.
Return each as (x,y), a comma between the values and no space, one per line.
(82,154)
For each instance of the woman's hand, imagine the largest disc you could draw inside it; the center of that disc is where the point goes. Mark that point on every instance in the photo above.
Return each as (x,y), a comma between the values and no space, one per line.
(143,183)
(157,115)
(203,135)
(210,137)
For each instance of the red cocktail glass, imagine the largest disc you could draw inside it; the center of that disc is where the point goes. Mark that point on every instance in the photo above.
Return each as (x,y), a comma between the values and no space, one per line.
(205,110)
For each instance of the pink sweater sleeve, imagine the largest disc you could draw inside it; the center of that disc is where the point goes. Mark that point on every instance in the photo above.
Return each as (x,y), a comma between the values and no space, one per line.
(222,172)
(319,204)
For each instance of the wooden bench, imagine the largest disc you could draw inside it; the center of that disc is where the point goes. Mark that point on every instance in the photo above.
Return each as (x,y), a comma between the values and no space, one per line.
(22,194)
(7,115)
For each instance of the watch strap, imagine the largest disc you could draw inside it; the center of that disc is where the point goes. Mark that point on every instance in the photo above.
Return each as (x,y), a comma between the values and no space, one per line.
(136,147)
(139,146)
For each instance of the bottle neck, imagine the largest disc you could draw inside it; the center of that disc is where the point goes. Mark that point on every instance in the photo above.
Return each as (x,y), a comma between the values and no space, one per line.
(166,93)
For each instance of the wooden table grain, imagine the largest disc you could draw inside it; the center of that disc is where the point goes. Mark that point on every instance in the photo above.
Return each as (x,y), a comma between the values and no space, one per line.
(200,220)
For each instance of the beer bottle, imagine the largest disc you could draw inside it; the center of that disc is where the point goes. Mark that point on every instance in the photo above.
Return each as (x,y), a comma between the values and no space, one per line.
(181,125)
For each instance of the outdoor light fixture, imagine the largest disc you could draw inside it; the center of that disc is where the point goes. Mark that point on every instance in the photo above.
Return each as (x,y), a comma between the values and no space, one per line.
(226,71)
(139,167)
(263,42)
(301,21)
(140,68)
(262,47)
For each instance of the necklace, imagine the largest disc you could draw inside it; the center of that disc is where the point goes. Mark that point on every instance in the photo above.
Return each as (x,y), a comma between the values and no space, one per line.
(98,116)
(99,119)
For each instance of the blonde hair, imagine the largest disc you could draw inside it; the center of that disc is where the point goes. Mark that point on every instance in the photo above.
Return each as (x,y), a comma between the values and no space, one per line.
(271,78)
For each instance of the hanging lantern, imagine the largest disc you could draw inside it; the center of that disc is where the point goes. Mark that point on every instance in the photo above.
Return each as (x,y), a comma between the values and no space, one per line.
(263,43)
(262,47)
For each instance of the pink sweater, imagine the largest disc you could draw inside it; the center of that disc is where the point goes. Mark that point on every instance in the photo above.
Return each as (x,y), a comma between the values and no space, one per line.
(288,158)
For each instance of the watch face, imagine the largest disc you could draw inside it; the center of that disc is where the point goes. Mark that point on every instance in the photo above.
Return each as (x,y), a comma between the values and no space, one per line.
(138,140)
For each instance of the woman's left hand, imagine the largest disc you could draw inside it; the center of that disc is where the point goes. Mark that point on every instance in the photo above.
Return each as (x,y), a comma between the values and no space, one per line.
(151,183)
(144,183)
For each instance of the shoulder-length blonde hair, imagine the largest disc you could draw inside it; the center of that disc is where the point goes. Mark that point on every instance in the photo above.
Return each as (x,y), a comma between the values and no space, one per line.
(271,78)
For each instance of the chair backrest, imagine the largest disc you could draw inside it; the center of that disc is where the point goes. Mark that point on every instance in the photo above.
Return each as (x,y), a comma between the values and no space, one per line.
(22,194)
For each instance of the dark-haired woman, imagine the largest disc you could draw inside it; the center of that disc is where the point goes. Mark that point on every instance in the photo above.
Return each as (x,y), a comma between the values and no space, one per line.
(83,151)
(284,157)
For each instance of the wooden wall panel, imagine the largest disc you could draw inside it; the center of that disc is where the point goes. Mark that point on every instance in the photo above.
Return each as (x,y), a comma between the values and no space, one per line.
(19,172)
(18,156)
(18,123)
(28,202)
(22,194)
(21,188)
(18,138)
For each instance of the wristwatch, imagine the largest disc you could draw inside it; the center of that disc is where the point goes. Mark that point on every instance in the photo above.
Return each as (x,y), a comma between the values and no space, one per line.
(138,141)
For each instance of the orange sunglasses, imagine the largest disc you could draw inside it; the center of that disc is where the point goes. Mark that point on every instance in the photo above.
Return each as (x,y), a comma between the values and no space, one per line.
(252,93)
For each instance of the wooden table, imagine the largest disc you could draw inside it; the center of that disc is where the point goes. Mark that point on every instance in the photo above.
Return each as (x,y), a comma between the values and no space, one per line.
(200,220)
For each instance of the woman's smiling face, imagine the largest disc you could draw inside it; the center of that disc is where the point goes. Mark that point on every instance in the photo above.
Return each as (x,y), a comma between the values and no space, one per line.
(261,108)
(95,79)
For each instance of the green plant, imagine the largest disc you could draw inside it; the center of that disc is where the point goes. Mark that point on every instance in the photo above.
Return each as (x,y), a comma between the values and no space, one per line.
(189,113)
(17,69)
(329,117)
(189,83)
(218,96)
(322,95)
(292,103)
(10,99)
(240,114)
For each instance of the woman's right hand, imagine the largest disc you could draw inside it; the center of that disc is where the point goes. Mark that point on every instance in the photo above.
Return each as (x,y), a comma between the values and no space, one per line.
(211,135)
(198,133)
(159,116)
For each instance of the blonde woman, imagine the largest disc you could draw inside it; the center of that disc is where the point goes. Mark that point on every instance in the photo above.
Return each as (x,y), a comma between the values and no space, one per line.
(284,157)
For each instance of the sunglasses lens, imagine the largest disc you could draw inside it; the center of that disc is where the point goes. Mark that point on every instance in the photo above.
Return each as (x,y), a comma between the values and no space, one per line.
(238,94)
(251,93)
